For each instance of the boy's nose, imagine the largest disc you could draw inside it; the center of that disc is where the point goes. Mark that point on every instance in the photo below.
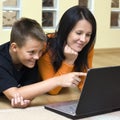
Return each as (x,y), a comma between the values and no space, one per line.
(36,57)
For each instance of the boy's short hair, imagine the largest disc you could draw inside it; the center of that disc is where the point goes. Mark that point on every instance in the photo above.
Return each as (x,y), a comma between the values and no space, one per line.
(26,27)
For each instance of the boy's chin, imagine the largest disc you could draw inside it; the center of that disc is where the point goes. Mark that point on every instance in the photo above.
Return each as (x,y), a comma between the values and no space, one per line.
(30,66)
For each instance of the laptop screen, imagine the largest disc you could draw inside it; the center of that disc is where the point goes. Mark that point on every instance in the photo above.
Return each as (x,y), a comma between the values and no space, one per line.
(100,94)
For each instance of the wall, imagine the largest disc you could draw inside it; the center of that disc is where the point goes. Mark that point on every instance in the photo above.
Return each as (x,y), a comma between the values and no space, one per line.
(106,37)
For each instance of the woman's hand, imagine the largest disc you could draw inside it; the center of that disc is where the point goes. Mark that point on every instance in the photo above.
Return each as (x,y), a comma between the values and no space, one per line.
(70,55)
(19,102)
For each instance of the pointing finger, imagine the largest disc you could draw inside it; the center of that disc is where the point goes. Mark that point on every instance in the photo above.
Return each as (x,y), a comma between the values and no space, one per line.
(80,73)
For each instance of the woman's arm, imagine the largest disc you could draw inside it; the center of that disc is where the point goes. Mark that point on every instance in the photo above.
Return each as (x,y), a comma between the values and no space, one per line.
(46,70)
(90,57)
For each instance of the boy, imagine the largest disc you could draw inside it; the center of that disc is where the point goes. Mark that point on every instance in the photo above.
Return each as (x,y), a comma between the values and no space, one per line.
(19,79)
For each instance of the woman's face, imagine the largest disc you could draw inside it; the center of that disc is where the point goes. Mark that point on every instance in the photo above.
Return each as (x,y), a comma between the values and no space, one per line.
(80,35)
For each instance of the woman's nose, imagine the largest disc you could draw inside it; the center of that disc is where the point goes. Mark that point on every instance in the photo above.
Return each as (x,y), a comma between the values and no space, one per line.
(82,38)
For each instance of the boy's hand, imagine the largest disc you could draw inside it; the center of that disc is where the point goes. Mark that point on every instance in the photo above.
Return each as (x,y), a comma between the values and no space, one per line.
(71,79)
(19,102)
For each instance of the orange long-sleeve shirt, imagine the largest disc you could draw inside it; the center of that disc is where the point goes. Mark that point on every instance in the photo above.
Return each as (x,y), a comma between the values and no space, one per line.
(46,69)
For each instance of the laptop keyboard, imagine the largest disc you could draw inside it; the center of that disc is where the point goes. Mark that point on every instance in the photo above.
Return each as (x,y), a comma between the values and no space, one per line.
(68,107)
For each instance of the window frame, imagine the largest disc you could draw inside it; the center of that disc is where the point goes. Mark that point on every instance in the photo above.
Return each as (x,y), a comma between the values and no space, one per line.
(115,10)
(53,9)
(16,8)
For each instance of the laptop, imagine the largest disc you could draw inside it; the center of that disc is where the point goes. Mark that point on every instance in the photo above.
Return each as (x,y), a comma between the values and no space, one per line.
(100,94)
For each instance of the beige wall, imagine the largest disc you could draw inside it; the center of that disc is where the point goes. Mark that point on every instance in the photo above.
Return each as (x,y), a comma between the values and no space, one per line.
(106,37)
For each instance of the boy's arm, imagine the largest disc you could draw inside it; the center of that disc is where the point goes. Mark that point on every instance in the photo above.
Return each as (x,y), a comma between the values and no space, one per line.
(31,91)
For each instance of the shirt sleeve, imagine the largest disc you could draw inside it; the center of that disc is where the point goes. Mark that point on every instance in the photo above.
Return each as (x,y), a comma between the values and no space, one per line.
(6,79)
(46,70)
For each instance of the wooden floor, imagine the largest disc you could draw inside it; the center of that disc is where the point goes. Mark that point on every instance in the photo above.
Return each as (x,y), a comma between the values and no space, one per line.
(106,57)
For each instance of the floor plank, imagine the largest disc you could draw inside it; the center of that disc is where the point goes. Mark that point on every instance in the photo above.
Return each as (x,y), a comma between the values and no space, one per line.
(106,58)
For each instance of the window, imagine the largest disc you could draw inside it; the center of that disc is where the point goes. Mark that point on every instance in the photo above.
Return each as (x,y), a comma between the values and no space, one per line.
(83,3)
(11,12)
(49,13)
(115,14)
(87,3)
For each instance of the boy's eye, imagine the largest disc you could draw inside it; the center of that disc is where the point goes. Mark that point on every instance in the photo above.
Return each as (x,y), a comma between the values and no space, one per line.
(31,52)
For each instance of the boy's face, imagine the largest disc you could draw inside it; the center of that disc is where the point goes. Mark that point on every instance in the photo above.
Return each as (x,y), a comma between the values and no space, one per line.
(28,53)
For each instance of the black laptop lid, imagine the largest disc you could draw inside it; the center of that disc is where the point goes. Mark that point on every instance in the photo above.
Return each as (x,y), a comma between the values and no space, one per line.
(101,92)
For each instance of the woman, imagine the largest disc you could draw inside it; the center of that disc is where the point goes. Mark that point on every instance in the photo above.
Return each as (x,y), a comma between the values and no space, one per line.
(71,47)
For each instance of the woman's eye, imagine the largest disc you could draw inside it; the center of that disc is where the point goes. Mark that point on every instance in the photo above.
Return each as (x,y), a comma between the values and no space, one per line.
(78,33)
(89,35)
